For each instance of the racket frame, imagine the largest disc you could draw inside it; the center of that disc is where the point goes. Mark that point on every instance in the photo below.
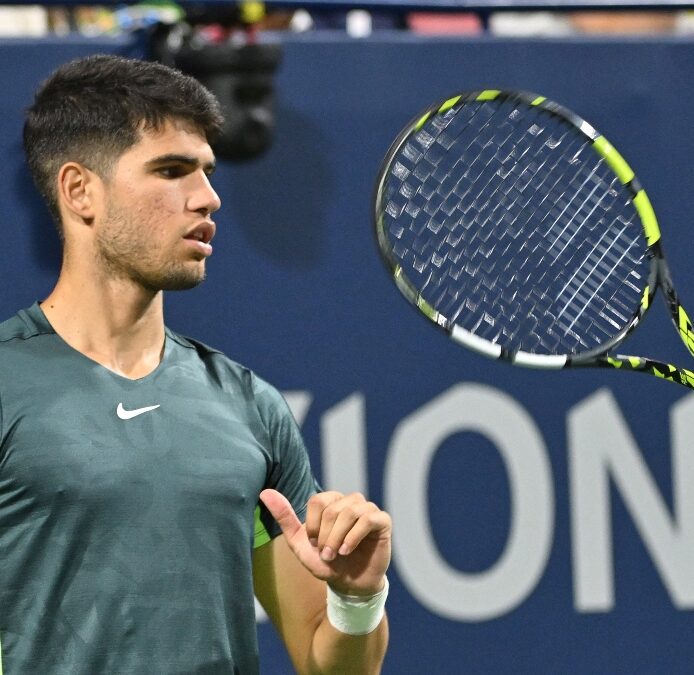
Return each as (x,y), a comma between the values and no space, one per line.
(658,276)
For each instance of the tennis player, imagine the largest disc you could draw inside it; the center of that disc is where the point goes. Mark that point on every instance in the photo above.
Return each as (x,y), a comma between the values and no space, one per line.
(148,484)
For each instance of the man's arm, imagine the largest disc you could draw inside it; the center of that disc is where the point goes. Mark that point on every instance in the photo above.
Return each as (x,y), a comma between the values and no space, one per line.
(345,542)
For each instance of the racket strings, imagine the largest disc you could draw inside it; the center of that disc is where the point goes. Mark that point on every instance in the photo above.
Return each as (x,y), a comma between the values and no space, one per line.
(511,226)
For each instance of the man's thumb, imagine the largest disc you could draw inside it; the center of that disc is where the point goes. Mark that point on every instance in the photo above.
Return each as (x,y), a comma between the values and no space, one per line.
(281,510)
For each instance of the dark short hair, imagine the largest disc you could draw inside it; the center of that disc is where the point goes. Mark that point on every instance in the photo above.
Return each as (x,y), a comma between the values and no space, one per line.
(92,109)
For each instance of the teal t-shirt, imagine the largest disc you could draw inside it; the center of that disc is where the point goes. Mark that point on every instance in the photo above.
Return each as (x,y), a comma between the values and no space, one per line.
(127,507)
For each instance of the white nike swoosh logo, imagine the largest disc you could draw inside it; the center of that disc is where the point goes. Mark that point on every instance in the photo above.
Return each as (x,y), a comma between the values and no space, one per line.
(129,414)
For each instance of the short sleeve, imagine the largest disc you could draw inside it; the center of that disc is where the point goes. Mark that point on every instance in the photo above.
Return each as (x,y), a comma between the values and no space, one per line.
(290,469)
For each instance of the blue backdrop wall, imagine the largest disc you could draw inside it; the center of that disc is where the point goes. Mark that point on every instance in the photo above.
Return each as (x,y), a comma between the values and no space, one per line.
(544,521)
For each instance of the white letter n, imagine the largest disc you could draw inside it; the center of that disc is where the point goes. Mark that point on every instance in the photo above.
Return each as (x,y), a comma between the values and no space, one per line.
(601,447)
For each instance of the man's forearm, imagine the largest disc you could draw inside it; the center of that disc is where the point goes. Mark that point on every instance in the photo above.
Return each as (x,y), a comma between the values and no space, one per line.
(334,652)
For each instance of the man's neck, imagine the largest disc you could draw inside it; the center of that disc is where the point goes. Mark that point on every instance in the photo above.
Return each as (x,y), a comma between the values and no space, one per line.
(115,323)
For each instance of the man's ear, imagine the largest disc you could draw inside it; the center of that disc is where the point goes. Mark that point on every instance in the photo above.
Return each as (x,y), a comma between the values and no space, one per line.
(77,191)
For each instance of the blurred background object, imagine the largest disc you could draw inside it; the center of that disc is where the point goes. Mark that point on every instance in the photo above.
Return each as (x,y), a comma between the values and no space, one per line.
(624,22)
(23,21)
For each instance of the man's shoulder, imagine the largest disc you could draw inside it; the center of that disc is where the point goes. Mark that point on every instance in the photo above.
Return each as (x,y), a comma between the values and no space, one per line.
(201,349)
(212,358)
(21,326)
(225,368)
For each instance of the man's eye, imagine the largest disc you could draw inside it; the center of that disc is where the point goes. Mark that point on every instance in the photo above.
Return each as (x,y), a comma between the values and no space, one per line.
(172,171)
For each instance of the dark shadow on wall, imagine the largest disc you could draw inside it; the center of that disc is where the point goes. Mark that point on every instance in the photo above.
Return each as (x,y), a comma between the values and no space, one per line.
(46,248)
(279,200)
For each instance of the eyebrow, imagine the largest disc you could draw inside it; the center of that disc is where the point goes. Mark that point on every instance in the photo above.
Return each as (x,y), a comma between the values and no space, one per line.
(189,160)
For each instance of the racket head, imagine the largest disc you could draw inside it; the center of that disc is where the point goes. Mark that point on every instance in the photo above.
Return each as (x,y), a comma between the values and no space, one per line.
(512,224)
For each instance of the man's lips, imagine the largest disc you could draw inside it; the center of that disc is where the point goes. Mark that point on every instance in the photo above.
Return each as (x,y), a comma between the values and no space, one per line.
(201,236)
(203,232)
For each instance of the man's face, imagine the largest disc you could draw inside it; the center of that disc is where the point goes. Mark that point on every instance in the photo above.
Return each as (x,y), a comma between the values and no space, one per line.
(155,227)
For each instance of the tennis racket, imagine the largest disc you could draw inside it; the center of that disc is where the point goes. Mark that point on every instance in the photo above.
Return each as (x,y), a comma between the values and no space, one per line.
(513,225)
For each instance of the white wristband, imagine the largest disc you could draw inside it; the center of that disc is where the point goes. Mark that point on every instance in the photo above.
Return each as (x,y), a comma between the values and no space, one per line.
(356,614)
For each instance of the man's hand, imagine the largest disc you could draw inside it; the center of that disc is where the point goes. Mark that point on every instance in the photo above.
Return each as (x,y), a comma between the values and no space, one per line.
(345,541)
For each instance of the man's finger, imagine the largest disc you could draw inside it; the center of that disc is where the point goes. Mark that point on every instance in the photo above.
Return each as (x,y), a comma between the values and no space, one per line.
(281,510)
(371,524)
(353,524)
(316,507)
